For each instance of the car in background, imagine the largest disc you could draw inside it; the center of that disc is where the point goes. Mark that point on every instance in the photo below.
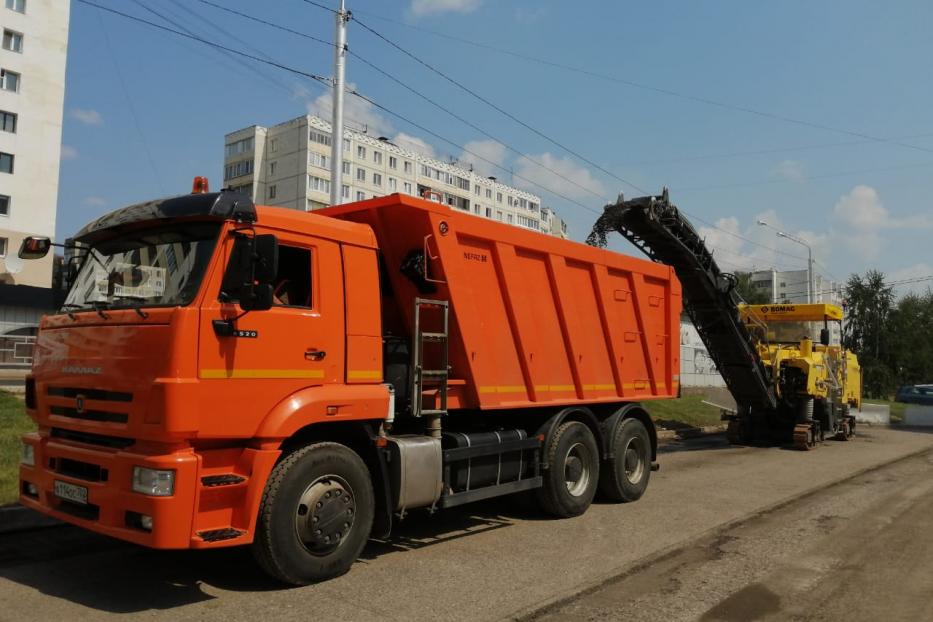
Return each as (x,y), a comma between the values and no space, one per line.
(915,394)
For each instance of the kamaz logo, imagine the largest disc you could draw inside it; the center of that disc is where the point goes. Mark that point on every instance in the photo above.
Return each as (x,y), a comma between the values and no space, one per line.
(81,371)
(779,309)
(474,256)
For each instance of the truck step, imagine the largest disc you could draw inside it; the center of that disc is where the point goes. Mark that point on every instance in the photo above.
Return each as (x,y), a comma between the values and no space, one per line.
(433,412)
(434,336)
(224,479)
(434,373)
(215,535)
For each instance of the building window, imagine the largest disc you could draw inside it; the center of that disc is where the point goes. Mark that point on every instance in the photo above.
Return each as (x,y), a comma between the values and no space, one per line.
(361,152)
(393,162)
(488,212)
(346,145)
(345,167)
(361,174)
(8,121)
(6,162)
(377,156)
(510,218)
(360,196)
(393,184)
(488,193)
(407,187)
(499,214)
(270,192)
(477,191)
(320,138)
(4,205)
(238,147)
(3,245)
(532,206)
(498,197)
(272,168)
(408,167)
(238,169)
(9,80)
(319,160)
(273,145)
(476,208)
(16,5)
(345,191)
(12,41)
(377,179)
(318,184)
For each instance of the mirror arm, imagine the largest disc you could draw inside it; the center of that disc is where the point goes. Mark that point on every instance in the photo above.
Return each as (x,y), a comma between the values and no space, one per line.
(226,327)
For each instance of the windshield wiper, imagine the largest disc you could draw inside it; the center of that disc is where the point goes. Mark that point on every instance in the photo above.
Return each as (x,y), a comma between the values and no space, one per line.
(70,305)
(138,310)
(99,306)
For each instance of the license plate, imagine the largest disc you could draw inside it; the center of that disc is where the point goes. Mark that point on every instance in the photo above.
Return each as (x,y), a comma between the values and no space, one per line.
(70,492)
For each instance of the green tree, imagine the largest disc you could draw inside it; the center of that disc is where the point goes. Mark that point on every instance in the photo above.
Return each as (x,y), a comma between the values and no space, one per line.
(869,305)
(749,293)
(910,339)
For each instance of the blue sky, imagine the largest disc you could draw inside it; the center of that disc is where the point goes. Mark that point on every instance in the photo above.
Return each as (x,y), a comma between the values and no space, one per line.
(847,166)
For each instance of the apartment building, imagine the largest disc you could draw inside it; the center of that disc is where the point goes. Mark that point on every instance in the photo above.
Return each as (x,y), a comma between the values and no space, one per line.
(790,286)
(288,165)
(32,93)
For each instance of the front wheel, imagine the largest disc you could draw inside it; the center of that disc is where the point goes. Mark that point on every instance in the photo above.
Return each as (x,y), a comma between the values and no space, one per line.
(316,514)
(626,477)
(571,478)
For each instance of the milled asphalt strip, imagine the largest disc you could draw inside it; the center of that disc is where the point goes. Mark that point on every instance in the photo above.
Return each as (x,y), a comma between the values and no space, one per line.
(534,612)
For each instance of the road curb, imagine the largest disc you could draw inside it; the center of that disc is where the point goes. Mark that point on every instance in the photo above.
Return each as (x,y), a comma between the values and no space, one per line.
(534,612)
(706,430)
(15,518)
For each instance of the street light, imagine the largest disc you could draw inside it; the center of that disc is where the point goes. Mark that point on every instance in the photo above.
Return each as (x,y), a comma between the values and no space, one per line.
(782,234)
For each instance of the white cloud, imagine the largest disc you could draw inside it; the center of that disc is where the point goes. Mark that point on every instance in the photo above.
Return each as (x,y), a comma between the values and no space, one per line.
(94,202)
(356,111)
(87,116)
(68,152)
(862,209)
(536,176)
(420,8)
(791,170)
(406,141)
(490,152)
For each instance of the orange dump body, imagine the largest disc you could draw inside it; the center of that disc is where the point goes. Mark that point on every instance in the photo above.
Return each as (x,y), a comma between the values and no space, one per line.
(534,320)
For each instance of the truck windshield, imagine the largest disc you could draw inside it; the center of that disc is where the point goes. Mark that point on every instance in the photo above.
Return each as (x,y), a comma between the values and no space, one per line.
(789,332)
(146,268)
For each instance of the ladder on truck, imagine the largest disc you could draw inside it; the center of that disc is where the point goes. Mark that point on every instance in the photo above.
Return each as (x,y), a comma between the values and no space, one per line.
(657,228)
(430,368)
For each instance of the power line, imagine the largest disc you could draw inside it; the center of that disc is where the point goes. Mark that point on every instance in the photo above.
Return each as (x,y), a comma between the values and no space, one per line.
(496,107)
(353,92)
(648,87)
(418,93)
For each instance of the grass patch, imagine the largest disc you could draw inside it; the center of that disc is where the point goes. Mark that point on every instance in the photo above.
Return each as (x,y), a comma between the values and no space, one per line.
(897,408)
(13,423)
(687,411)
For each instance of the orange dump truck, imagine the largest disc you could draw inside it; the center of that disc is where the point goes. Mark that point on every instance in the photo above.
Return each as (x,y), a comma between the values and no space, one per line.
(224,374)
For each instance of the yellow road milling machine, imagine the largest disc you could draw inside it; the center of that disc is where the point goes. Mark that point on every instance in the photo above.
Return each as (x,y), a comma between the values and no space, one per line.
(787,388)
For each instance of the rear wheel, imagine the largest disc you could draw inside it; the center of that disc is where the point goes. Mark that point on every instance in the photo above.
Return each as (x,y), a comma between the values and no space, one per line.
(316,514)
(626,477)
(572,475)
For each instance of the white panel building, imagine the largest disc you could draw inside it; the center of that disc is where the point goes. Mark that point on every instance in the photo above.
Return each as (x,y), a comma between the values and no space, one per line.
(32,94)
(288,165)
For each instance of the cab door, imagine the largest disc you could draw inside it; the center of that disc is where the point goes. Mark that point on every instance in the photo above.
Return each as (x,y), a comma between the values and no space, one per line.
(299,342)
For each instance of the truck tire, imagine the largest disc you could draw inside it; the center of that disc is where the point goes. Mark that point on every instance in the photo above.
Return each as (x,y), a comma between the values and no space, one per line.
(626,477)
(572,475)
(315,516)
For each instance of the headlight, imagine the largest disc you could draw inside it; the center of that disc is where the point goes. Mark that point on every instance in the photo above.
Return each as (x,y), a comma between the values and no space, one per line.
(153,482)
(28,455)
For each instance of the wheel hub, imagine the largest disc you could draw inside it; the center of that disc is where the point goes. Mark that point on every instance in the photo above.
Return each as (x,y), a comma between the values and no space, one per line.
(325,513)
(633,460)
(576,473)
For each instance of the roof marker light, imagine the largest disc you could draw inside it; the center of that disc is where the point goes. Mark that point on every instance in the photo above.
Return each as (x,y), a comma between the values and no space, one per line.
(199,185)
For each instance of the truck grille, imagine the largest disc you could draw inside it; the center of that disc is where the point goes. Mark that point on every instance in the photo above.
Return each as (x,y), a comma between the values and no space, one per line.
(89,415)
(91,394)
(79,470)
(102,440)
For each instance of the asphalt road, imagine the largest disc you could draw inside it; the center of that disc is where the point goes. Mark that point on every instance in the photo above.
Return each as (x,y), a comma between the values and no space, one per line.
(723,534)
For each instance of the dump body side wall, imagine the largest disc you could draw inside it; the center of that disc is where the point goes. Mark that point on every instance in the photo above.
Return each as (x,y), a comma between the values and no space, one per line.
(535,320)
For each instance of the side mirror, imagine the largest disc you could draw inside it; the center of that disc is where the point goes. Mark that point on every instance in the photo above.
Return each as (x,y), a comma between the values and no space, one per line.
(34,248)
(251,272)
(824,336)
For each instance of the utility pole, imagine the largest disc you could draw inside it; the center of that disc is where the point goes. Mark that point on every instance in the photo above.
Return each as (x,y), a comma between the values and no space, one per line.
(336,124)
